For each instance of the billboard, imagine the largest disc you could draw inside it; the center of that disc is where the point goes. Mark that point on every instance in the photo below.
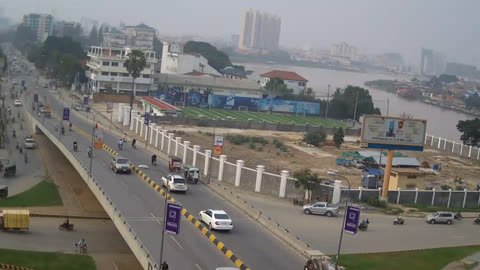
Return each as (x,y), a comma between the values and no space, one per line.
(393,133)
(289,106)
(351,222)
(173,218)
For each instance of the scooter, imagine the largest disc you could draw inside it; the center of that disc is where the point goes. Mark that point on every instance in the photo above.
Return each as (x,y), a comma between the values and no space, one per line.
(399,221)
(364,225)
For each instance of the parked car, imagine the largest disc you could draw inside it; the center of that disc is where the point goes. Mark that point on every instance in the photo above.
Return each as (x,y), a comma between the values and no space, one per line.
(120,164)
(174,182)
(440,217)
(321,208)
(216,219)
(78,108)
(17,103)
(29,143)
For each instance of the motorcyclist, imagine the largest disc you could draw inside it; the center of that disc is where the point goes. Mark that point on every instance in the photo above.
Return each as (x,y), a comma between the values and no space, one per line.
(14,133)
(63,130)
(154,159)
(133,143)
(75,146)
(89,151)
(120,144)
(70,126)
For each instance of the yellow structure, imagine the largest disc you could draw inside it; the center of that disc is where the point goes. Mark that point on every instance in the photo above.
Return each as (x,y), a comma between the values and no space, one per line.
(15,219)
(400,177)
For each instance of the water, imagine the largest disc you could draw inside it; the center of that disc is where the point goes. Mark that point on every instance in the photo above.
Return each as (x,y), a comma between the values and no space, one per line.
(440,122)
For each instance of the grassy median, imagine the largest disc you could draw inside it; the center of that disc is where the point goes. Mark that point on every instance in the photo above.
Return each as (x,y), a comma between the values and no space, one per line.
(44,193)
(46,260)
(428,259)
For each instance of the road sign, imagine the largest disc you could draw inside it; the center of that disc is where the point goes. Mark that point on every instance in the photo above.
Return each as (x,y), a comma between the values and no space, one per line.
(173,218)
(393,133)
(35,98)
(66,114)
(218,145)
(147,118)
(85,100)
(351,223)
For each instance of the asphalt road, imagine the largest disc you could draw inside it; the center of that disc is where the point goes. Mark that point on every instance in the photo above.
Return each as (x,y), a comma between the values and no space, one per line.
(143,207)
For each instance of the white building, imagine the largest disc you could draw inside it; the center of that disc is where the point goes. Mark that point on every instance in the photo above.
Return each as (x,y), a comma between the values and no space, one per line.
(174,61)
(139,36)
(343,50)
(291,79)
(107,74)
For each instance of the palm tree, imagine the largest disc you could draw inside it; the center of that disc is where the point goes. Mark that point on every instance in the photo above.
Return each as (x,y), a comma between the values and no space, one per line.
(134,64)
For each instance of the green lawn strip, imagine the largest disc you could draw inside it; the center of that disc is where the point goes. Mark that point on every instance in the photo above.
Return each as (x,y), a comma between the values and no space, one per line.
(428,259)
(44,193)
(46,260)
(428,208)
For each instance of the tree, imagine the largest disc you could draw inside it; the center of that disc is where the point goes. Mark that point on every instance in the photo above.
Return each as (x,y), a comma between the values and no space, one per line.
(157,46)
(345,101)
(216,59)
(473,101)
(307,180)
(100,35)
(134,64)
(315,137)
(277,87)
(338,137)
(470,130)
(93,37)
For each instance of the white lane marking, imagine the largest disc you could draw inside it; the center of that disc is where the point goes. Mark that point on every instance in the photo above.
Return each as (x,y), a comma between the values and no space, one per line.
(157,219)
(175,240)
(198,266)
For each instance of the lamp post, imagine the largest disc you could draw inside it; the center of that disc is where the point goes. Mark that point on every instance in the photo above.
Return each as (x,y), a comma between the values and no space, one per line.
(344,215)
(92,143)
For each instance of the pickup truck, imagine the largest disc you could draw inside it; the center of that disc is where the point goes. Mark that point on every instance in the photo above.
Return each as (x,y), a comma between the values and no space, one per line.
(120,164)
(321,208)
(174,182)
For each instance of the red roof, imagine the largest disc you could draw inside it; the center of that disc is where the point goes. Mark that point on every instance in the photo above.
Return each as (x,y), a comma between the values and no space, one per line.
(160,103)
(284,75)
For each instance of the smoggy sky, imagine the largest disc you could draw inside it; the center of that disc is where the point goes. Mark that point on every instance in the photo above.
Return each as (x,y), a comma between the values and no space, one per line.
(451,27)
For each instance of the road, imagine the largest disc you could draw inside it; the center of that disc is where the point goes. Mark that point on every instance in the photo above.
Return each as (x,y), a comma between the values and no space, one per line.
(143,207)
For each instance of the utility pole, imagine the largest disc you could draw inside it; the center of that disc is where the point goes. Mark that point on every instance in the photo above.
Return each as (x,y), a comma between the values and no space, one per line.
(328,99)
(388,105)
(355,112)
(211,154)
(164,224)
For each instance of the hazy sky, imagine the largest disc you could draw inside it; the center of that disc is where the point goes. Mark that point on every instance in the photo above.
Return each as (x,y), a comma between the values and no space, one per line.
(404,26)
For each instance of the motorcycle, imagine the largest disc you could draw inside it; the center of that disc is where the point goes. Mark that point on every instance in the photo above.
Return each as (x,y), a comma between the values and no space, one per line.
(458,215)
(476,220)
(399,221)
(364,225)
(65,226)
(14,134)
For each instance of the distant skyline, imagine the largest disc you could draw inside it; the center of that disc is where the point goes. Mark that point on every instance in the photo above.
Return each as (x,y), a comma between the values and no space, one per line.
(374,26)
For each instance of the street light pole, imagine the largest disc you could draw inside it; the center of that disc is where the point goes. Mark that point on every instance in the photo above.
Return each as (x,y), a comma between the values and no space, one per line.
(164,224)
(92,145)
(211,154)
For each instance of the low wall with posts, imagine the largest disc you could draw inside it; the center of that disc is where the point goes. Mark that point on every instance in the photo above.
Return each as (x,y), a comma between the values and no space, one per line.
(452,147)
(232,173)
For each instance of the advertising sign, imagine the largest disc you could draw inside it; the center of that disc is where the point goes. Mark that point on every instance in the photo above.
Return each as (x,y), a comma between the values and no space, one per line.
(66,114)
(85,100)
(147,118)
(218,145)
(351,222)
(174,216)
(98,141)
(393,133)
(35,98)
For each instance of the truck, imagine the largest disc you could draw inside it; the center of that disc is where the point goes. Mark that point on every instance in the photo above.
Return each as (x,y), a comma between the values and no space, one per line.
(15,219)
(174,182)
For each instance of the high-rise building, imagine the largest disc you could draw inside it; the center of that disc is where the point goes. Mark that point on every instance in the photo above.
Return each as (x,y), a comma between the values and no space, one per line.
(41,24)
(259,30)
(431,62)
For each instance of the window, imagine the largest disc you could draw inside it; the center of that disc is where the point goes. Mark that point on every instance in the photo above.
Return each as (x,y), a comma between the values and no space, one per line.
(146,76)
(114,64)
(125,74)
(106,63)
(411,177)
(302,83)
(105,73)
(222,216)
(113,74)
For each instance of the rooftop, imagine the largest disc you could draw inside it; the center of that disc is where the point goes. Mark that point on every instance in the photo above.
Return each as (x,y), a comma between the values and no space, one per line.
(407,171)
(234,72)
(284,75)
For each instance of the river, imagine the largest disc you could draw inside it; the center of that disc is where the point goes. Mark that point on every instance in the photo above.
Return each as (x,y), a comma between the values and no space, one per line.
(440,122)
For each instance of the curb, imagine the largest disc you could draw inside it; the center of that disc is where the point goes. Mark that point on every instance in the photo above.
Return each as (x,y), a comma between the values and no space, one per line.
(67,216)
(13,267)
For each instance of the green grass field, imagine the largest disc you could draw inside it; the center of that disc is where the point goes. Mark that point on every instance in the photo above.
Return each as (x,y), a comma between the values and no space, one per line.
(428,259)
(46,260)
(44,193)
(260,117)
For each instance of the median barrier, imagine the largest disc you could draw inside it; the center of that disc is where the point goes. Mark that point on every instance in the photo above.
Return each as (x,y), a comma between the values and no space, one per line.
(13,267)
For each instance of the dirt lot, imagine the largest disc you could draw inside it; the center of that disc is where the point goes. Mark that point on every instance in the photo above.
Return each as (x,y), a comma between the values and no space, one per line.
(322,159)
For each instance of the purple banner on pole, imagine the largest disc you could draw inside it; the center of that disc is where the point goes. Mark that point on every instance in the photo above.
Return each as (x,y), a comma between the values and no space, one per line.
(35,98)
(85,100)
(351,222)
(173,218)
(147,118)
(66,114)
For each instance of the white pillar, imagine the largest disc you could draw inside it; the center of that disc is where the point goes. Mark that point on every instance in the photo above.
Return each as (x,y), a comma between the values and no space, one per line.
(439,141)
(431,143)
(449,197)
(221,166)
(120,113)
(461,149)
(398,195)
(258,181)
(360,194)
(164,132)
(153,128)
(478,153)
(336,192)
(185,149)
(453,146)
(470,151)
(433,196)
(126,117)
(196,148)
(157,131)
(464,198)
(170,139)
(283,183)
(238,173)
(177,141)
(444,144)
(137,123)
(416,195)
(147,130)
(208,153)
(426,136)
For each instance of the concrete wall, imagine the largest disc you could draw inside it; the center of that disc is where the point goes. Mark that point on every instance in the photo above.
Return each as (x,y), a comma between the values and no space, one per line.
(452,147)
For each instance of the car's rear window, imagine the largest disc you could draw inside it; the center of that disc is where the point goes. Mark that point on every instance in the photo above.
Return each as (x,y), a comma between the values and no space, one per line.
(29,140)
(122,161)
(222,216)
(178,180)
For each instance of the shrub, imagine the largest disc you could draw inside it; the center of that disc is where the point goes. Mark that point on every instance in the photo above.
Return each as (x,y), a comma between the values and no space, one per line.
(375,202)
(199,131)
(278,144)
(209,134)
(338,137)
(459,188)
(445,187)
(259,140)
(314,137)
(238,139)
(252,146)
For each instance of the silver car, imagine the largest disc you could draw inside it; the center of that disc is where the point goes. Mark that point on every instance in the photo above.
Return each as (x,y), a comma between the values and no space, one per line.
(321,208)
(440,217)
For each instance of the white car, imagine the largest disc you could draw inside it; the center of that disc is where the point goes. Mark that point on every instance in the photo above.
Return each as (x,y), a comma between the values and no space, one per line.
(216,219)
(30,143)
(17,103)
(174,182)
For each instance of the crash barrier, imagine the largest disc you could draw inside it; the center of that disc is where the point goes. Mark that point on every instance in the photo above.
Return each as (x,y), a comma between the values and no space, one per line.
(13,267)
(213,239)
(125,229)
(441,198)
(452,147)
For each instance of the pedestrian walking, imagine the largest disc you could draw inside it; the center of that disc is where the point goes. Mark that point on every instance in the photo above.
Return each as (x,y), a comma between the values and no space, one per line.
(76,247)
(164,266)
